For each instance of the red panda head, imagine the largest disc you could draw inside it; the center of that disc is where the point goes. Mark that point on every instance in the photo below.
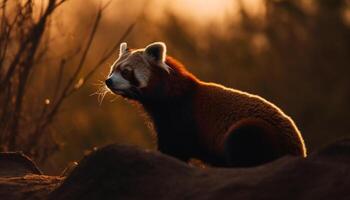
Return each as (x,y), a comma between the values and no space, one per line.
(145,74)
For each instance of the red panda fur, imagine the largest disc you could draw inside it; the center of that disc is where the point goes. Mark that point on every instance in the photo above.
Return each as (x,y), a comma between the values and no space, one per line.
(219,125)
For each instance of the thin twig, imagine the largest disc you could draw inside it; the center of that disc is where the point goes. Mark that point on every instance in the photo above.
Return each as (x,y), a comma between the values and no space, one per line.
(34,38)
(49,117)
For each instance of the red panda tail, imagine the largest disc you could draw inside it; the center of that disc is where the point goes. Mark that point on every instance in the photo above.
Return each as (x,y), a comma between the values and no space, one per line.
(252,142)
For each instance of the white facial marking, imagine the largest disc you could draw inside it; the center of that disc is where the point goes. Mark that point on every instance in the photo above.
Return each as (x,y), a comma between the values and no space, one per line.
(143,76)
(138,61)
(119,82)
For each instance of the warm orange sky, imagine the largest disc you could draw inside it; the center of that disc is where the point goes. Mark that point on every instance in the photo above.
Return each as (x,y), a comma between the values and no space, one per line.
(202,11)
(212,9)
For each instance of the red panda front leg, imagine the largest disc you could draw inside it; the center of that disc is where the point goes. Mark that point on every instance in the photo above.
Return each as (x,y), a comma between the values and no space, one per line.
(251,142)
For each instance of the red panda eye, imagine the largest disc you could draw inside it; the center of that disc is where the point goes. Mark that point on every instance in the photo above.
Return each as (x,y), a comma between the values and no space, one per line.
(126,73)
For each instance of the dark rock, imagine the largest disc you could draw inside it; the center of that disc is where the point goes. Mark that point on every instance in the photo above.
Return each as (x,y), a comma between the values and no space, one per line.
(20,178)
(120,172)
(16,164)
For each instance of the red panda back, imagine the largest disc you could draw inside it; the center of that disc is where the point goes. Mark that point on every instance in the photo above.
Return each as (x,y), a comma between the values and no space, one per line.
(192,118)
(225,108)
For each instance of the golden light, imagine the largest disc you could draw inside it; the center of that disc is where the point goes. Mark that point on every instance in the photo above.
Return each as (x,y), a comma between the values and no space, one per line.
(208,9)
(202,12)
(47,101)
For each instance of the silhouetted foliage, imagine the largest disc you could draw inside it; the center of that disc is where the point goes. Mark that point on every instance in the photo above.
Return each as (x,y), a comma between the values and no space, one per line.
(295,57)
(26,114)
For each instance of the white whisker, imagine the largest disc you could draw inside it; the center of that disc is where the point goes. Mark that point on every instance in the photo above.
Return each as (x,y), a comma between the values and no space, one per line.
(101,92)
(101,97)
(112,100)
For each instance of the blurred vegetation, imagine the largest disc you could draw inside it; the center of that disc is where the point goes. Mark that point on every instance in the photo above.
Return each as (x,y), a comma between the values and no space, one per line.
(296,55)
(293,53)
(33,93)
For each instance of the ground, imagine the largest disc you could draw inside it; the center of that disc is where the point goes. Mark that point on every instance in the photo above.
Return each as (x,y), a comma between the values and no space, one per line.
(124,172)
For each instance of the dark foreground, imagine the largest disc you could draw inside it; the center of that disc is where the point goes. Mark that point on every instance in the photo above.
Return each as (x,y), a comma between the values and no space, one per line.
(121,172)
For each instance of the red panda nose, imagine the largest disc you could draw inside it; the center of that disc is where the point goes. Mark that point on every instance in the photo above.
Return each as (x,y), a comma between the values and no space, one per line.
(109,82)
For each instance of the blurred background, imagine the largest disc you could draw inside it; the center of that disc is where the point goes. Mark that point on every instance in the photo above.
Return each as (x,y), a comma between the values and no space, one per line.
(54,55)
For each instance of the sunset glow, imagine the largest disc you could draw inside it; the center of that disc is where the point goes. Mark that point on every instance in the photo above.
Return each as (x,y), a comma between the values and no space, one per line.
(204,10)
(200,11)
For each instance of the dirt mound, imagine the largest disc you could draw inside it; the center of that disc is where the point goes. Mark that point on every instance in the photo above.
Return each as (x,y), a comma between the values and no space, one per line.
(124,172)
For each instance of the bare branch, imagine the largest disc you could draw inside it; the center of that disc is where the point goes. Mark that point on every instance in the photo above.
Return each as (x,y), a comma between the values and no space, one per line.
(50,116)
(57,104)
(60,3)
(83,57)
(34,39)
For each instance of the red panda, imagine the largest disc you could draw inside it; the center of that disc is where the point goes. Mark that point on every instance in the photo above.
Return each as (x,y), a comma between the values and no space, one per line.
(195,119)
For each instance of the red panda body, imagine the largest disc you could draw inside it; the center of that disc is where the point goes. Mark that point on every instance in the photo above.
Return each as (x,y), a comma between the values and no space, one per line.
(221,126)
(195,119)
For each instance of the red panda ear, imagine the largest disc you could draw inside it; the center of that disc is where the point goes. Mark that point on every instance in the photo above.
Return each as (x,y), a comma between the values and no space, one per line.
(156,51)
(123,48)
